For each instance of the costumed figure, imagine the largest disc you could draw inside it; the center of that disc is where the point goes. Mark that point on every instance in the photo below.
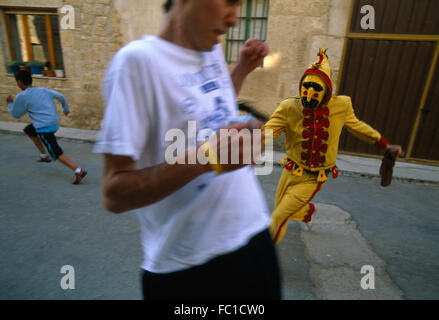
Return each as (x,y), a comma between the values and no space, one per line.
(312,124)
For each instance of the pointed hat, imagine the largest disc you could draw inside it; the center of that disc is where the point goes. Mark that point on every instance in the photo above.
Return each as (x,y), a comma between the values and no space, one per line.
(322,69)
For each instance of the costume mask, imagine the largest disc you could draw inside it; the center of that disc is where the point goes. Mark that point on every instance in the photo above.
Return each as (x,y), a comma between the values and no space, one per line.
(312,91)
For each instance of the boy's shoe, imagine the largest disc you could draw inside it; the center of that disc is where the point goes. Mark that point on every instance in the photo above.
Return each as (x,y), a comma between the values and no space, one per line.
(79,176)
(46,159)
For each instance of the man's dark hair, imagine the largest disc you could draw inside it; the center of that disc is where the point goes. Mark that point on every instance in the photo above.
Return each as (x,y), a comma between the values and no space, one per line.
(168,5)
(25,76)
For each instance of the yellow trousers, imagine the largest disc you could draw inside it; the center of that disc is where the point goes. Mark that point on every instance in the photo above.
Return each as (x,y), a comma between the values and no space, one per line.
(293,196)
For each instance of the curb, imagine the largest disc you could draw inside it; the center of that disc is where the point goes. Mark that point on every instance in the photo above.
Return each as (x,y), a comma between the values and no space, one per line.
(89,136)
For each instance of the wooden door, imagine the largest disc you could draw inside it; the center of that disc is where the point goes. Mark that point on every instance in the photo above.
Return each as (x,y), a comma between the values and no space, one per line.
(391,74)
(426,144)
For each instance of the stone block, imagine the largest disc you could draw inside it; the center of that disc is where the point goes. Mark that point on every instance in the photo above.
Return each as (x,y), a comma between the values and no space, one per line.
(338,18)
(315,25)
(87,18)
(99,10)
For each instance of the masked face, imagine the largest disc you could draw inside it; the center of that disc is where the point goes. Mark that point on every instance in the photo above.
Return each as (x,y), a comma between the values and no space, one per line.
(312,91)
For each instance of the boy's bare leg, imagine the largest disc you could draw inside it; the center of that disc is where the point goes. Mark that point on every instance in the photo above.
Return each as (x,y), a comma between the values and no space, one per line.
(67,162)
(79,173)
(38,144)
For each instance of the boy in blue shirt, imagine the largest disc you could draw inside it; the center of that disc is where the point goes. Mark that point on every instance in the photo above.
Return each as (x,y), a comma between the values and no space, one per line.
(39,104)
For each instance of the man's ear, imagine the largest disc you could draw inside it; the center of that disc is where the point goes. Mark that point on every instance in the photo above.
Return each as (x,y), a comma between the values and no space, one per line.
(20,84)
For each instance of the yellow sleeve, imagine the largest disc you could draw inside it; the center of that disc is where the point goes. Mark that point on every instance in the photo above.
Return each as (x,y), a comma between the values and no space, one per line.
(362,130)
(277,123)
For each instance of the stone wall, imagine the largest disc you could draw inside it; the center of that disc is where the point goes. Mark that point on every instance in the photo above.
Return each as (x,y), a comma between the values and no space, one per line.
(296,29)
(139,17)
(87,49)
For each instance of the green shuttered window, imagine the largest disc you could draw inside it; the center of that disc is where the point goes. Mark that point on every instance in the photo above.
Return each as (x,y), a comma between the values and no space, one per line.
(252,23)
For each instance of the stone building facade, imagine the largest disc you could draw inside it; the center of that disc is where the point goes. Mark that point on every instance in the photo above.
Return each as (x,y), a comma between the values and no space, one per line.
(295,31)
(86,51)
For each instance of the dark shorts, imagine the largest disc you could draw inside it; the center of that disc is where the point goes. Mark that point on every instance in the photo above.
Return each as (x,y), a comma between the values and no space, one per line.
(251,272)
(48,139)
(30,130)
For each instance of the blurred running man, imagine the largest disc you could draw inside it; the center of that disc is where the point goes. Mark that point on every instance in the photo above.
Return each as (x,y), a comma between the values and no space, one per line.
(204,227)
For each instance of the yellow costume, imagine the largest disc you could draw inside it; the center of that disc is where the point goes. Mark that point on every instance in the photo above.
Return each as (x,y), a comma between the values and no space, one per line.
(312,124)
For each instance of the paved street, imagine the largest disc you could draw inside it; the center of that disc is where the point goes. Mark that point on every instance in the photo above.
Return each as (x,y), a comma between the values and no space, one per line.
(46,223)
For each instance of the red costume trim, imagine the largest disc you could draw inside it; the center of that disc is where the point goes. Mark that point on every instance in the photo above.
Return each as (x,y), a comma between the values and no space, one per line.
(311,211)
(322,75)
(319,187)
(382,143)
(334,172)
(320,59)
(276,131)
(315,123)
(289,165)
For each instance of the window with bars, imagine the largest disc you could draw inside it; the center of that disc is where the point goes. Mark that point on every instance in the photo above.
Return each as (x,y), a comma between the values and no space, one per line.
(33,35)
(252,23)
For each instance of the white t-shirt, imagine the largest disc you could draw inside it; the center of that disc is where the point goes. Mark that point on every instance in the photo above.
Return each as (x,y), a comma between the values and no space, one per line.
(151,87)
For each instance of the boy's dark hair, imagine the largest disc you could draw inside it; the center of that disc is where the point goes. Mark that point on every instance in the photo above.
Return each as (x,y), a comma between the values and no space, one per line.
(168,5)
(25,77)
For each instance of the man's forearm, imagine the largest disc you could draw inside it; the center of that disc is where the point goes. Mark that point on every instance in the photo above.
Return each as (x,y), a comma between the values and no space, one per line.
(132,189)
(251,55)
(238,76)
